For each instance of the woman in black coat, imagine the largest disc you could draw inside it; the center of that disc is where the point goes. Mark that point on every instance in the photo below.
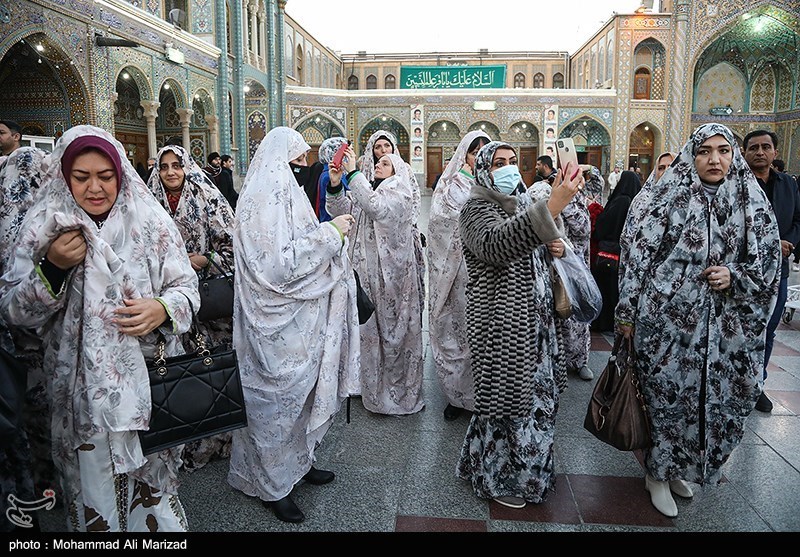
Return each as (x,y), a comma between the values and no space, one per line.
(607,231)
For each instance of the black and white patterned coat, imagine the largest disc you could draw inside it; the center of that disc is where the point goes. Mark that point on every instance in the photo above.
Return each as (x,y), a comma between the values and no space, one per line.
(509,304)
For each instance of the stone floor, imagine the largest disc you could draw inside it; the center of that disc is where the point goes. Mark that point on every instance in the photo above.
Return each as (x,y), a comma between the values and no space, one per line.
(396,474)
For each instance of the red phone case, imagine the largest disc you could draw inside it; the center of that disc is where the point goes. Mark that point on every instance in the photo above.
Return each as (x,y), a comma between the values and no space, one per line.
(339,155)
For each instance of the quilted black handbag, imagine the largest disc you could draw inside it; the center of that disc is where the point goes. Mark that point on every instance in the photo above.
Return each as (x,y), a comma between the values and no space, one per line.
(193,396)
(216,295)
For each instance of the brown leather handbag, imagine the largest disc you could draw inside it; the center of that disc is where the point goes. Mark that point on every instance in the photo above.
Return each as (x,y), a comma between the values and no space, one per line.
(617,414)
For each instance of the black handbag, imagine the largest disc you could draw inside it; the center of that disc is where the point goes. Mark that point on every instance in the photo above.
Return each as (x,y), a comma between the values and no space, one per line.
(216,295)
(617,414)
(13,385)
(365,306)
(193,395)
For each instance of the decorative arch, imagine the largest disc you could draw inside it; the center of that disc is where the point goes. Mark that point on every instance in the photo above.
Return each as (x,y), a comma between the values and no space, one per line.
(519,80)
(172,85)
(139,76)
(642,147)
(489,128)
(372,82)
(352,82)
(523,131)
(256,131)
(384,122)
(749,39)
(326,125)
(73,105)
(538,80)
(558,80)
(708,93)
(203,104)
(390,82)
(444,131)
(649,59)
(594,139)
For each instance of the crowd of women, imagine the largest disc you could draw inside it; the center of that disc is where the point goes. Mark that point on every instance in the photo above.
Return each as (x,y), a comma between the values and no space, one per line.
(100,264)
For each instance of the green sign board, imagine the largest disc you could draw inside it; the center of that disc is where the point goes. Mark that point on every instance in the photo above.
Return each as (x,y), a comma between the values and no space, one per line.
(452,77)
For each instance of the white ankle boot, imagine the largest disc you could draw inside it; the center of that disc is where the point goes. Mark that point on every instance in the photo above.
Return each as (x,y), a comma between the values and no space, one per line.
(681,488)
(661,497)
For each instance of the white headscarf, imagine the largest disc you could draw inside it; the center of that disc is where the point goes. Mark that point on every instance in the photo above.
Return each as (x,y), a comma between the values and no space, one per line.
(99,375)
(284,269)
(368,160)
(459,158)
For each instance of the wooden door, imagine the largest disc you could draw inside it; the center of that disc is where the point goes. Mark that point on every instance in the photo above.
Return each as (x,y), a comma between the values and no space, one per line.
(434,165)
(594,156)
(527,164)
(641,84)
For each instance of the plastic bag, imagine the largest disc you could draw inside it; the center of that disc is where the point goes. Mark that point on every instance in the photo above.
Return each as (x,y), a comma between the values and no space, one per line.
(584,295)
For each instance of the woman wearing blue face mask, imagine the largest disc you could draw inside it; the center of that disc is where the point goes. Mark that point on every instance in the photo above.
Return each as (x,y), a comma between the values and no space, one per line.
(507,453)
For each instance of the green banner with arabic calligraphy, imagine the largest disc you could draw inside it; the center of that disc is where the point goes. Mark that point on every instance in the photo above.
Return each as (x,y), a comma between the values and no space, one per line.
(452,77)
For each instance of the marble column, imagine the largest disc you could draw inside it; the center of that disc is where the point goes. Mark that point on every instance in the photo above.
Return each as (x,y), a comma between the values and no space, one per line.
(185,117)
(677,115)
(213,133)
(150,114)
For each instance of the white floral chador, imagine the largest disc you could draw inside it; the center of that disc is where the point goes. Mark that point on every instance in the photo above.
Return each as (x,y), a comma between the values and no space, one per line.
(295,323)
(385,257)
(447,279)
(98,381)
(205,220)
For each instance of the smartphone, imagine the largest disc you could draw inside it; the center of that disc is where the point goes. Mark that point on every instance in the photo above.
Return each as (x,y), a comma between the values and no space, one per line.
(339,155)
(567,154)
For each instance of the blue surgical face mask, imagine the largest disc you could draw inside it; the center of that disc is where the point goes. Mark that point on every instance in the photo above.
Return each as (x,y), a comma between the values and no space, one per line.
(507,178)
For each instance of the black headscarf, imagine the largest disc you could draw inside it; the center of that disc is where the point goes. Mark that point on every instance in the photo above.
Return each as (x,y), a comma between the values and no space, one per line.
(609,224)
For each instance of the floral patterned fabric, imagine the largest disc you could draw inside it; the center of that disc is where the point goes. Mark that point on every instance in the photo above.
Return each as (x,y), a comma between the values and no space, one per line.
(384,254)
(508,447)
(574,338)
(447,276)
(700,353)
(205,220)
(367,166)
(97,377)
(295,323)
(28,459)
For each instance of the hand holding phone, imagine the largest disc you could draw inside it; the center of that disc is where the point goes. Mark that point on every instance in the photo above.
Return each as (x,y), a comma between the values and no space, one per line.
(336,162)
(567,155)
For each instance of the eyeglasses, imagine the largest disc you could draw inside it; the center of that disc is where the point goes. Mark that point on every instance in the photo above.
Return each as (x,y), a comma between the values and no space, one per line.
(174,166)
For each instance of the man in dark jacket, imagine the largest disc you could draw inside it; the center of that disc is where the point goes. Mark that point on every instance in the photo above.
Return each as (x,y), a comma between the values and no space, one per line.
(213,169)
(225,180)
(760,150)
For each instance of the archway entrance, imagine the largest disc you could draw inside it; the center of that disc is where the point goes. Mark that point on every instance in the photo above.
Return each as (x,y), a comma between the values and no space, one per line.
(642,149)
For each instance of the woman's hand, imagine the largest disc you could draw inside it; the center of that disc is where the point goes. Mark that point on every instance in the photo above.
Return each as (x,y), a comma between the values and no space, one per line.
(67,250)
(335,174)
(556,248)
(344,223)
(565,186)
(198,261)
(718,277)
(625,330)
(349,160)
(140,316)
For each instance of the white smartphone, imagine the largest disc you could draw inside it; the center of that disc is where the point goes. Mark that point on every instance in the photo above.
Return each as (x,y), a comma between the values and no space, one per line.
(567,154)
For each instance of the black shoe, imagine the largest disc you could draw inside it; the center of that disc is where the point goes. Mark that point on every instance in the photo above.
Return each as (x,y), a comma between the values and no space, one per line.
(452,412)
(319,477)
(764,404)
(286,510)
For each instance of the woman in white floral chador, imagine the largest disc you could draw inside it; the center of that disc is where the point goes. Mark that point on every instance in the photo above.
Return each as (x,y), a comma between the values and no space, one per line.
(295,327)
(100,266)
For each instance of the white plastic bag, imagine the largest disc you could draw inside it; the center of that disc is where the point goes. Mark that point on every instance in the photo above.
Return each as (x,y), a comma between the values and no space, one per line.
(585,296)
